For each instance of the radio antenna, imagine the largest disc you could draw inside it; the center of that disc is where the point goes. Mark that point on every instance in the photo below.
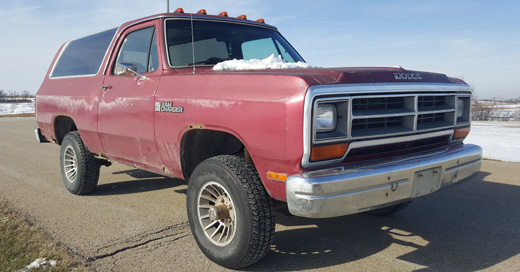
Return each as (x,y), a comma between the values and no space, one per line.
(167,6)
(192,38)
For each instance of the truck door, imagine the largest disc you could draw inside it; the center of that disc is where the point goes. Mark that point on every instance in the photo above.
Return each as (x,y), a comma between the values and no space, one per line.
(126,107)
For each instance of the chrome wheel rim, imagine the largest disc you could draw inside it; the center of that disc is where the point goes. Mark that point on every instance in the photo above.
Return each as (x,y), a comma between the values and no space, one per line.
(216,212)
(70,165)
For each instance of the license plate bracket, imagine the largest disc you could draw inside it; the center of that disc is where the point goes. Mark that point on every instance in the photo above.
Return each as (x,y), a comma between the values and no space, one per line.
(426,182)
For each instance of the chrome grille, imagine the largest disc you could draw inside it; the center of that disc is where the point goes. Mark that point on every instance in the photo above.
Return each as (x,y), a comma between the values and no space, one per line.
(368,126)
(430,102)
(380,103)
(430,118)
(389,115)
(375,123)
(388,118)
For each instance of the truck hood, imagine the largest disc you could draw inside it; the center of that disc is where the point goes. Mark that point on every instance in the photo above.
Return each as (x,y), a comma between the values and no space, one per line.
(283,84)
(354,75)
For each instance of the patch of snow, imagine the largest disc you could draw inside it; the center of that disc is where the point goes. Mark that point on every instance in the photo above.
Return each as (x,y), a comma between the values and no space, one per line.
(24,108)
(270,62)
(508,106)
(499,140)
(16,108)
(40,262)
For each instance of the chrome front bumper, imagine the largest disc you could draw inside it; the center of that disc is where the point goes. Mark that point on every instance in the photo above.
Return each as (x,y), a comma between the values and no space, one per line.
(342,191)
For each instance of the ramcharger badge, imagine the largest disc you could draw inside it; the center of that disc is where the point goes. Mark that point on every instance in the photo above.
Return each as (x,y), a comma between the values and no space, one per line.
(167,107)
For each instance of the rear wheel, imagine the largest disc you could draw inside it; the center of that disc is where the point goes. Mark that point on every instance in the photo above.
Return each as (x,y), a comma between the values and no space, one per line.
(231,215)
(79,168)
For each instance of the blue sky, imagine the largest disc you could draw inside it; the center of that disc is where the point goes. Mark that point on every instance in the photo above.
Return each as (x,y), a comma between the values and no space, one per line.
(476,40)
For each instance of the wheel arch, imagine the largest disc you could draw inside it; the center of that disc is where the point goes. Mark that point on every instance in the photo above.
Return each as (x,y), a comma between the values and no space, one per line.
(63,124)
(198,145)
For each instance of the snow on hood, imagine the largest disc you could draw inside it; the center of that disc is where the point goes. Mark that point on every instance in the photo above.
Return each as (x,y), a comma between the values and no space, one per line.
(270,62)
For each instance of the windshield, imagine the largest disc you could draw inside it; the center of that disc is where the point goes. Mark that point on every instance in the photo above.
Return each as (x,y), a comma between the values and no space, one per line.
(215,42)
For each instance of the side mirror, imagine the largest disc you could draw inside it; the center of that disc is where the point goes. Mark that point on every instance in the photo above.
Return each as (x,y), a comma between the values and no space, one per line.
(128,69)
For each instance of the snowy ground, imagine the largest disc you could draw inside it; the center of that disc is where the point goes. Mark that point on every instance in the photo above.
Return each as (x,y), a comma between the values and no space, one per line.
(499,140)
(16,108)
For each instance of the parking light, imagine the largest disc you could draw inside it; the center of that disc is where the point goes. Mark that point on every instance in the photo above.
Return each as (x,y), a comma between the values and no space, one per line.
(327,152)
(460,133)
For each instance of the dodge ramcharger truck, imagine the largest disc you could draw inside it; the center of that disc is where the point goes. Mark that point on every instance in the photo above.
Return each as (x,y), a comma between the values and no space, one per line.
(325,142)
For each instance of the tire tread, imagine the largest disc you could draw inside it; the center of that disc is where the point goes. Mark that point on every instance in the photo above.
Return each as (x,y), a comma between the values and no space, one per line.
(89,178)
(260,204)
(254,198)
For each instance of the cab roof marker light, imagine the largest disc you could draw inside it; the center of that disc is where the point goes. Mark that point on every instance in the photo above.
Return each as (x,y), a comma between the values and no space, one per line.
(202,11)
(242,17)
(223,14)
(261,20)
(179,10)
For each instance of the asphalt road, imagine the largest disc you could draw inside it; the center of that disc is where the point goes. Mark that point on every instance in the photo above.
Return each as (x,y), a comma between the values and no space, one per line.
(136,221)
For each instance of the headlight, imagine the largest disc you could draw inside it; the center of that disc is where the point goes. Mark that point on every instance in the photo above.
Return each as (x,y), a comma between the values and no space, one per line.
(325,118)
(460,108)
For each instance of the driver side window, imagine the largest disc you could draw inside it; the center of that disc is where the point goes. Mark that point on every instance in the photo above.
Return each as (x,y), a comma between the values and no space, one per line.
(139,48)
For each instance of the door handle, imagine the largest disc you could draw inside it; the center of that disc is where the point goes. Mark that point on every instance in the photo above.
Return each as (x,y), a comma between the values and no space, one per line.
(106,87)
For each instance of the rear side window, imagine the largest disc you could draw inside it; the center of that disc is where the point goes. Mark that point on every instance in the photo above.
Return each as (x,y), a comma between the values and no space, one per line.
(83,56)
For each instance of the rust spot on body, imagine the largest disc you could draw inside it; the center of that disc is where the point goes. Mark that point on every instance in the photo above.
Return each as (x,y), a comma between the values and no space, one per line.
(196,126)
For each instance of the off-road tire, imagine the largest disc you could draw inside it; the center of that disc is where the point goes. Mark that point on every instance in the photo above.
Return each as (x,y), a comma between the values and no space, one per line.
(252,212)
(390,210)
(79,168)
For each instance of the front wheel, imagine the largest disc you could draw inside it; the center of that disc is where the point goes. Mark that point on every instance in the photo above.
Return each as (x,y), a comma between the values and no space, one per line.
(231,215)
(79,168)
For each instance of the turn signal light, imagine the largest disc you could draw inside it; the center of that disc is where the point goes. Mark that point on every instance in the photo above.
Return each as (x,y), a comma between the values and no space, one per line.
(179,10)
(276,176)
(327,152)
(461,132)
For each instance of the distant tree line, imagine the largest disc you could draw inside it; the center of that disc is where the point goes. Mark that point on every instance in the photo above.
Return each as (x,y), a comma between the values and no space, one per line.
(495,110)
(513,100)
(15,96)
